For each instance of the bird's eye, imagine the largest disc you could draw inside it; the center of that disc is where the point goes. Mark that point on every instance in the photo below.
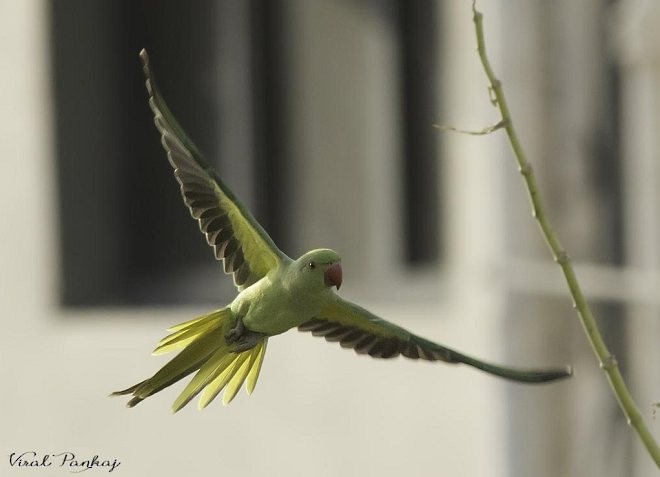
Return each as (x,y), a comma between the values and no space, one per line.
(312,265)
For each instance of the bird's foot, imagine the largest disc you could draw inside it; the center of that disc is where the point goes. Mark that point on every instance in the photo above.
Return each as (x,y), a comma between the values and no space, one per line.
(235,333)
(248,341)
(243,338)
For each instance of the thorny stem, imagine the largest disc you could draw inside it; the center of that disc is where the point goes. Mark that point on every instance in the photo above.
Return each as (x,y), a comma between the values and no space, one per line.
(607,361)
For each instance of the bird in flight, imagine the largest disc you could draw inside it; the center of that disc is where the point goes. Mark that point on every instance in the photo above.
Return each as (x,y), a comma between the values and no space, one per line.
(226,347)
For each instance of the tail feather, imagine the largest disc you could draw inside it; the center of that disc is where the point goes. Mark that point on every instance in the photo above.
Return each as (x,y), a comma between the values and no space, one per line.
(238,379)
(196,321)
(213,389)
(128,390)
(253,375)
(206,351)
(207,373)
(183,335)
(134,402)
(245,366)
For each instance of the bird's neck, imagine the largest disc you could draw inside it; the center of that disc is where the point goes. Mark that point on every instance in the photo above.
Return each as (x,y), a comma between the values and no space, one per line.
(303,295)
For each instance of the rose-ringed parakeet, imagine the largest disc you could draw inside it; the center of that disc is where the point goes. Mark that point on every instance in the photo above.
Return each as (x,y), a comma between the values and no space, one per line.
(226,347)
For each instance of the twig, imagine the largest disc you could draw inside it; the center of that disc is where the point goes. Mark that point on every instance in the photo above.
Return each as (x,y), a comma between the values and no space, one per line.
(481,132)
(607,361)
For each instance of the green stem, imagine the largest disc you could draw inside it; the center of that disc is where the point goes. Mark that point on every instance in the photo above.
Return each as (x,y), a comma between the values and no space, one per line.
(607,361)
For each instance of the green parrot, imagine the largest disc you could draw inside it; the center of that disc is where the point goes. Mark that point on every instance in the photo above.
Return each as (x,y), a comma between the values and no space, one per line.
(226,347)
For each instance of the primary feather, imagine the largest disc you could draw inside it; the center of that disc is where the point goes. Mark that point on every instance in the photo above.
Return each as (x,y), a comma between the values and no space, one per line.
(354,327)
(236,237)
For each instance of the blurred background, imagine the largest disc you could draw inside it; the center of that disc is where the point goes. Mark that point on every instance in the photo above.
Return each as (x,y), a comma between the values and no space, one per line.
(320,115)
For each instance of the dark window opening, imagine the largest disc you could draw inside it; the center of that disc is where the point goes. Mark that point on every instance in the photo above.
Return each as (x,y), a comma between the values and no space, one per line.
(125,236)
(419,86)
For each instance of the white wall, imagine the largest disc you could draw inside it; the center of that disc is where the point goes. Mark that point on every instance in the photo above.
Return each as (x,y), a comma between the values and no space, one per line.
(318,410)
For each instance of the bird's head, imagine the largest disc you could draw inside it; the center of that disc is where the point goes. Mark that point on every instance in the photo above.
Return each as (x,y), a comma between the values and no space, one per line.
(319,269)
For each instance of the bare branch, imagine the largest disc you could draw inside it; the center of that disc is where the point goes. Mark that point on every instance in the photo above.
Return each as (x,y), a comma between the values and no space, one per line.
(481,132)
(606,360)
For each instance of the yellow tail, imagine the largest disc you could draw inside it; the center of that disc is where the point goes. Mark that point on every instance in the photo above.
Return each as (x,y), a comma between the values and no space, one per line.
(205,350)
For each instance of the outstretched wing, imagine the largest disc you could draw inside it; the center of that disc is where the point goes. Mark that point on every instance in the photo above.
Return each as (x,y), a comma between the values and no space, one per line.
(354,327)
(236,237)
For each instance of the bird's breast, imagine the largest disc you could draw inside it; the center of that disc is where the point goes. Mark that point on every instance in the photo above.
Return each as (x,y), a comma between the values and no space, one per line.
(274,311)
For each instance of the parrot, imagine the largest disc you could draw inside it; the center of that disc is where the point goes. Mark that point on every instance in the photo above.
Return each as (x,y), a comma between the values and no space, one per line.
(225,348)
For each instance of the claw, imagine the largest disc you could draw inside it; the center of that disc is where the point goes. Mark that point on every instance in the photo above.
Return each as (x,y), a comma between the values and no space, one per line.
(247,341)
(235,333)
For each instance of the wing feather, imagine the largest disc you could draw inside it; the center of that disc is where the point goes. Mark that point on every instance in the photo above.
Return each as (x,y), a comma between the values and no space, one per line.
(237,238)
(354,327)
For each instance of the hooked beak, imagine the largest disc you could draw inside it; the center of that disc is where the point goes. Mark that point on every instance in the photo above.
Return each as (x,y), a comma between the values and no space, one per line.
(332,275)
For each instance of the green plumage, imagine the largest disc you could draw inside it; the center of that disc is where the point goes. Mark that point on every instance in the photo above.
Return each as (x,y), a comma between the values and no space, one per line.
(204,350)
(226,347)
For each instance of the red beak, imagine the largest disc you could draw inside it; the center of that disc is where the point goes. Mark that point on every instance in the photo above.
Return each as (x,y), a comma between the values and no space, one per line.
(332,275)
